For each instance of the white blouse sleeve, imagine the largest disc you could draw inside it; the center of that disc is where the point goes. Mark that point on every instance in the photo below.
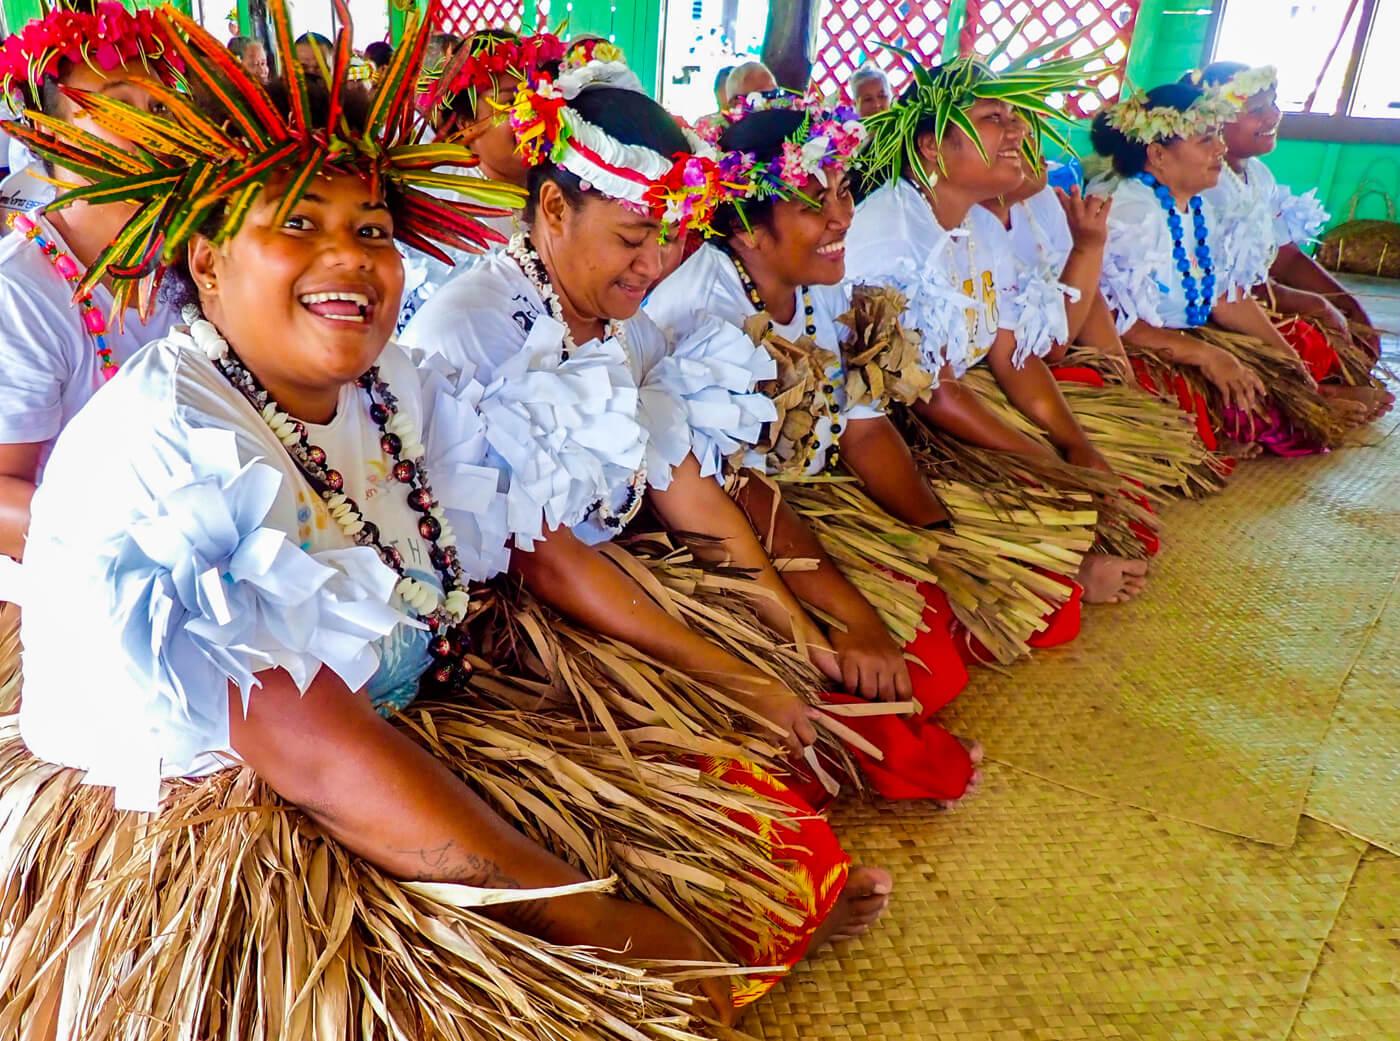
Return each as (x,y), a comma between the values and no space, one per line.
(1242,241)
(1136,254)
(469,489)
(179,588)
(564,433)
(1300,218)
(700,398)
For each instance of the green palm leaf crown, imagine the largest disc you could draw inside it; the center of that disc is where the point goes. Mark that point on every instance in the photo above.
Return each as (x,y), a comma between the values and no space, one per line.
(941,98)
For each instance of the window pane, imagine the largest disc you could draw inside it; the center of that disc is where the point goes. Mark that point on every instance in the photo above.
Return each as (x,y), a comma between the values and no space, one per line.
(1378,86)
(1295,36)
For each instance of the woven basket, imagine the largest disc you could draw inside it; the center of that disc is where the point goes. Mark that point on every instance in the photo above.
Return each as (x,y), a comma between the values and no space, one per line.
(1364,247)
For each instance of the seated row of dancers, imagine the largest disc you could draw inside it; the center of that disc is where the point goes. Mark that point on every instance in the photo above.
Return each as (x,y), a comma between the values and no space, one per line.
(487,678)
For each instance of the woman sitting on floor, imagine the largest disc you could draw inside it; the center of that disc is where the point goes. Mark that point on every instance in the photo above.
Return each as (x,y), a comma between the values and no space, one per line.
(1331,330)
(1169,271)
(923,231)
(269,574)
(57,351)
(777,269)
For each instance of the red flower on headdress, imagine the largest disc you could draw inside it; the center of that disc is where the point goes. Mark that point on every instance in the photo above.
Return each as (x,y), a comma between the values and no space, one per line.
(106,38)
(521,60)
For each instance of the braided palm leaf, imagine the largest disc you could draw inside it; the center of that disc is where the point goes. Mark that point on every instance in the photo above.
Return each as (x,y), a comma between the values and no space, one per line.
(192,164)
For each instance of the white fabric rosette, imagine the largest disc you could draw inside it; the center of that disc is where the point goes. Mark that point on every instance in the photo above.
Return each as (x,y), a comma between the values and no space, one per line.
(466,486)
(564,432)
(1136,252)
(1302,217)
(936,308)
(1039,313)
(700,399)
(1242,243)
(212,597)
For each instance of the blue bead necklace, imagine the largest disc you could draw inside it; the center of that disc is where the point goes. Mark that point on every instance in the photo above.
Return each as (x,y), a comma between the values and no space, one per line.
(1200,297)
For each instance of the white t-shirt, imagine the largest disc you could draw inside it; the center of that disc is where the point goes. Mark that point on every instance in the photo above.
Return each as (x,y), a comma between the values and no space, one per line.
(49,367)
(708,285)
(1140,280)
(959,282)
(24,191)
(174,547)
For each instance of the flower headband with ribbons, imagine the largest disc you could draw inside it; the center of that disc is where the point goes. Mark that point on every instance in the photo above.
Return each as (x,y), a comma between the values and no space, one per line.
(681,191)
(106,37)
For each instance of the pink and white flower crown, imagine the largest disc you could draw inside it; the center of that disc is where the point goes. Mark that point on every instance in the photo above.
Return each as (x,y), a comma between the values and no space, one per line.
(681,191)
(827,140)
(106,38)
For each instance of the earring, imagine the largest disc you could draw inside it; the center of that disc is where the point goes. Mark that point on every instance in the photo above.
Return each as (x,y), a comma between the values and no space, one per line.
(208,285)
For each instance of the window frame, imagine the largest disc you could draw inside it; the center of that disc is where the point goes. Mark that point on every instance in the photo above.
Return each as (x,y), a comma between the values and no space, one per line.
(1339,126)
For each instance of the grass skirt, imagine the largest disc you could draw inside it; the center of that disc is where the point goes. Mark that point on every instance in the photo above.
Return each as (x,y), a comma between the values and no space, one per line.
(230,917)
(996,564)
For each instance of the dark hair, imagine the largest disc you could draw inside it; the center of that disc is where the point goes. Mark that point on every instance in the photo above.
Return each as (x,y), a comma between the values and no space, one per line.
(1129,156)
(630,117)
(761,135)
(315,39)
(380,53)
(1216,73)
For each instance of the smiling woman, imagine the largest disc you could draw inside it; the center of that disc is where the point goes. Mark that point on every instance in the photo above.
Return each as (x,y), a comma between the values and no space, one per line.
(265,570)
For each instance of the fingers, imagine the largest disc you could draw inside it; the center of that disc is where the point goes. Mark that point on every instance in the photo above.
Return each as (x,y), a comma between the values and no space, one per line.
(804,731)
(850,675)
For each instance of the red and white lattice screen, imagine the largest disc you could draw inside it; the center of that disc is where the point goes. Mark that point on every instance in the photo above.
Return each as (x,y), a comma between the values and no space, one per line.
(463,17)
(850,32)
(1103,22)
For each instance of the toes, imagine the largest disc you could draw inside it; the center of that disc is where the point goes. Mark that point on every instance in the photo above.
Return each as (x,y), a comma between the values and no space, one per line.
(1136,568)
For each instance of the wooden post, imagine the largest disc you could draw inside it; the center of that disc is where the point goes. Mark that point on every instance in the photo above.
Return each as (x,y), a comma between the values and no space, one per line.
(787,42)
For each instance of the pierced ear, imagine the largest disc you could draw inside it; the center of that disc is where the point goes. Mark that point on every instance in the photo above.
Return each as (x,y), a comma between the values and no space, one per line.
(202,259)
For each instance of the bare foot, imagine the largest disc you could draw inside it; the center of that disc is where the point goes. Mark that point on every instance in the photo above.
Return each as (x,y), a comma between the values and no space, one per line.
(1355,406)
(1242,449)
(1111,580)
(976,754)
(860,906)
(1377,401)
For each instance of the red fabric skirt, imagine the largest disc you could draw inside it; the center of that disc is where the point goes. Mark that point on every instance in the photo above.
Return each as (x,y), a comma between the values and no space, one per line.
(804,844)
(919,759)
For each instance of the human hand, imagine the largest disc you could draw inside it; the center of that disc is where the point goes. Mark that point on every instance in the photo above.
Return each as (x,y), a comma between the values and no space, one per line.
(1087,216)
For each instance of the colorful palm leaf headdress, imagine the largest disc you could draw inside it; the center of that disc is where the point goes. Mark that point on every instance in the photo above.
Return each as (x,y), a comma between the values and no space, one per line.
(827,139)
(1137,119)
(106,37)
(193,165)
(945,95)
(681,191)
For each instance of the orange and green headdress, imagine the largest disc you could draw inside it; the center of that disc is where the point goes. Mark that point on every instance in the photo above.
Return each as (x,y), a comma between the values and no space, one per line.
(105,37)
(194,167)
